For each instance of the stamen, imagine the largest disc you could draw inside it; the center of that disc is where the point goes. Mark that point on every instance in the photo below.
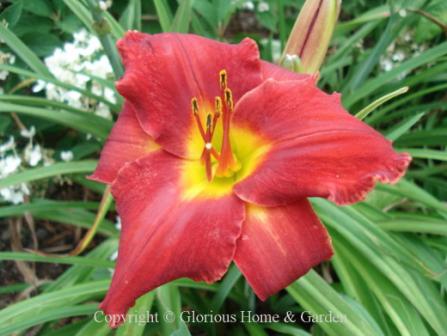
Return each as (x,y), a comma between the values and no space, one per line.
(195,111)
(229,99)
(217,112)
(207,149)
(208,122)
(218,106)
(194,105)
(223,79)
(227,163)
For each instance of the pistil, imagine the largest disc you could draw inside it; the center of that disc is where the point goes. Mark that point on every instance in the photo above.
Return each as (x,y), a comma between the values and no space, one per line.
(206,154)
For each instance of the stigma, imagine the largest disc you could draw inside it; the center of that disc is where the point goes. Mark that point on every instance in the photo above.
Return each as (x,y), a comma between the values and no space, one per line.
(223,164)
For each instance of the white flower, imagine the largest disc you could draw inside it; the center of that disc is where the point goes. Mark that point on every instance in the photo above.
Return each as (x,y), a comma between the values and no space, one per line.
(28,133)
(15,194)
(248,5)
(386,64)
(66,155)
(33,154)
(81,36)
(263,7)
(6,58)
(72,98)
(47,160)
(105,4)
(9,165)
(109,94)
(114,256)
(398,56)
(103,110)
(39,86)
(3,74)
(10,144)
(276,50)
(408,37)
(118,223)
(100,68)
(73,64)
(92,46)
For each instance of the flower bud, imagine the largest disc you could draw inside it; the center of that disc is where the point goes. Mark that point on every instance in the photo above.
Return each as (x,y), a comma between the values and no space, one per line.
(311,33)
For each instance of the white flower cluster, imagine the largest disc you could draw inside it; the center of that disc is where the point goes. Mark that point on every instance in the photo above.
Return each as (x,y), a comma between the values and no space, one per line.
(248,5)
(10,162)
(77,63)
(263,6)
(399,51)
(275,47)
(105,4)
(66,155)
(6,58)
(13,159)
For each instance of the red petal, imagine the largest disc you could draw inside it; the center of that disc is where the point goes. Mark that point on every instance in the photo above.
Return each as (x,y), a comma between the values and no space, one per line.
(165,71)
(318,149)
(166,236)
(127,142)
(280,244)
(270,70)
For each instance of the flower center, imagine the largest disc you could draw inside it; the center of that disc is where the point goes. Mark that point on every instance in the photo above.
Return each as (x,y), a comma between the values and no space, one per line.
(227,163)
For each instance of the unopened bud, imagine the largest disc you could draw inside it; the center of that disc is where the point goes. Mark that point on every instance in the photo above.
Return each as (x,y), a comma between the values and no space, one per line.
(311,34)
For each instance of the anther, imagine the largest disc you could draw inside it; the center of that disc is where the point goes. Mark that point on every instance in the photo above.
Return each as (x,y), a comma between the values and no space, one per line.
(218,106)
(229,99)
(217,113)
(194,105)
(195,111)
(208,122)
(223,79)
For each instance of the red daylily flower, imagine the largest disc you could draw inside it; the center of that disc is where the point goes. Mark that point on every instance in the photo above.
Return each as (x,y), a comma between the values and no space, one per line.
(212,159)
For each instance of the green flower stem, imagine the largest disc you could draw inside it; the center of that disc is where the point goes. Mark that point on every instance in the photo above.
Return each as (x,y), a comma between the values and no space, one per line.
(104,207)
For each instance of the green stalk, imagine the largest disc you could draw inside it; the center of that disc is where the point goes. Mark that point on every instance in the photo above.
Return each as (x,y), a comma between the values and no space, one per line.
(104,207)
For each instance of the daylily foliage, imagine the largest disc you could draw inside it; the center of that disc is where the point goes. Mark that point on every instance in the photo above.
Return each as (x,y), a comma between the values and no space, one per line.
(212,159)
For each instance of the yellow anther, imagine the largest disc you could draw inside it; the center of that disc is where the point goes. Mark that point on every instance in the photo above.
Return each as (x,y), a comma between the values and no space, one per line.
(223,79)
(218,106)
(194,105)
(229,99)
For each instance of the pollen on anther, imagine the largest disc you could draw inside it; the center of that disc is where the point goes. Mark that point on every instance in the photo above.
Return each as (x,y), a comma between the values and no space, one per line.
(223,79)
(194,105)
(208,145)
(229,98)
(218,106)
(208,121)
